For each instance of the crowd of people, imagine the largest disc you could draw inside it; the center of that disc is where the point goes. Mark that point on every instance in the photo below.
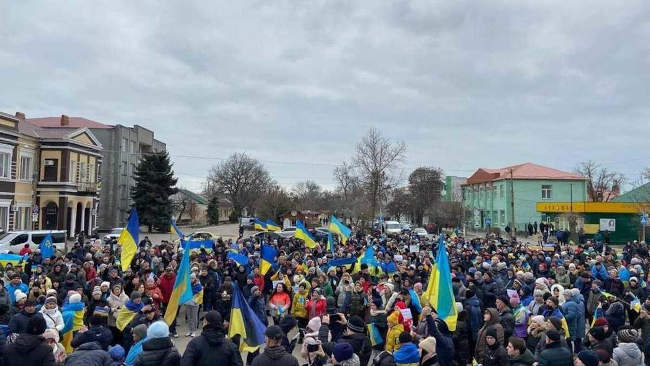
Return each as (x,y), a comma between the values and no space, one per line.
(583,305)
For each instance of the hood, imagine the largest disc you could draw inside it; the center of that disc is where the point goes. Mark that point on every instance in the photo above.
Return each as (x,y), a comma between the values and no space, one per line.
(630,349)
(275,353)
(527,358)
(494,316)
(213,336)
(89,346)
(27,342)
(407,353)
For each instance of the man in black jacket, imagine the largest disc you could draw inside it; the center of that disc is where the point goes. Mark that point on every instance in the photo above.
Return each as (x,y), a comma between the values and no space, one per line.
(19,322)
(29,348)
(354,335)
(158,350)
(97,331)
(274,353)
(212,347)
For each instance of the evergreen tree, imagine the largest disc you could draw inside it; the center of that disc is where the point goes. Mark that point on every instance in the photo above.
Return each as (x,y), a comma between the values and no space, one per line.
(154,184)
(213,211)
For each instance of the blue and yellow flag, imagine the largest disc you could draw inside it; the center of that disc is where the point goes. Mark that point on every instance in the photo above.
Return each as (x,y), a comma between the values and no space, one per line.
(374,335)
(439,293)
(244,321)
(182,291)
(303,234)
(337,226)
(368,258)
(259,225)
(47,247)
(272,226)
(330,242)
(175,230)
(267,258)
(196,245)
(128,239)
(241,259)
(415,300)
(13,259)
(126,314)
(389,267)
(73,320)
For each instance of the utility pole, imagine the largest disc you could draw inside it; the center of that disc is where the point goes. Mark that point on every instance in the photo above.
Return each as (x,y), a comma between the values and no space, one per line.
(512,206)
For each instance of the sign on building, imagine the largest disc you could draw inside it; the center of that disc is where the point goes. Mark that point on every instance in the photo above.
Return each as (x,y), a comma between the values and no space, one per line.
(607,225)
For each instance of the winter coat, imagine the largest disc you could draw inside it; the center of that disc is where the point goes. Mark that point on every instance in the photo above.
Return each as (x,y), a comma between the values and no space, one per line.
(507,321)
(571,312)
(18,322)
(276,356)
(461,343)
(555,355)
(643,323)
(384,358)
(89,354)
(378,318)
(158,352)
(317,307)
(53,318)
(280,300)
(407,354)
(27,350)
(615,315)
(259,308)
(357,306)
(5,299)
(392,337)
(211,348)
(298,309)
(115,303)
(361,345)
(474,315)
(526,359)
(444,342)
(166,286)
(481,344)
(599,274)
(628,354)
(496,356)
(98,334)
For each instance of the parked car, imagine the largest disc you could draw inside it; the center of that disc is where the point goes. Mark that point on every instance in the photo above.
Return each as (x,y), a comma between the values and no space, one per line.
(392,228)
(288,232)
(198,235)
(406,227)
(14,241)
(246,222)
(422,233)
(114,234)
(320,233)
(268,235)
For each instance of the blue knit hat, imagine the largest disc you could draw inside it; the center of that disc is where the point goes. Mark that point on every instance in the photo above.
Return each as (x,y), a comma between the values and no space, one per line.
(116,352)
(158,329)
(343,351)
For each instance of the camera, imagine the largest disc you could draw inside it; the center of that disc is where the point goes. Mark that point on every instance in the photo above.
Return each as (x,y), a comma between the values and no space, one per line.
(312,347)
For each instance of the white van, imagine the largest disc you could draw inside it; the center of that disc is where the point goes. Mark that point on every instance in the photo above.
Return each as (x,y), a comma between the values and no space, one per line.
(14,241)
(392,228)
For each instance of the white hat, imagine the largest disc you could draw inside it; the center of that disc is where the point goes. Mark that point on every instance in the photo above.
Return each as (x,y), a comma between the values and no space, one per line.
(19,295)
(74,298)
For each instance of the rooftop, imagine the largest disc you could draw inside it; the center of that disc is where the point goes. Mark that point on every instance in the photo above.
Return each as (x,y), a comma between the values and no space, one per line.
(638,194)
(194,196)
(521,171)
(74,122)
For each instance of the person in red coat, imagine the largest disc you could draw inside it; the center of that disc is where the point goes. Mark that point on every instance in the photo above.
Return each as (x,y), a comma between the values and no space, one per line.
(258,279)
(152,290)
(166,284)
(317,305)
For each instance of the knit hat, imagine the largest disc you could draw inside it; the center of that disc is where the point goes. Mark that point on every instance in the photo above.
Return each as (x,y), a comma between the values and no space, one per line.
(19,295)
(588,357)
(97,290)
(600,322)
(405,337)
(74,298)
(158,329)
(105,284)
(117,353)
(343,351)
(356,324)
(50,299)
(51,334)
(274,332)
(491,332)
(36,325)
(538,292)
(287,323)
(553,335)
(140,331)
(428,345)
(254,288)
(556,322)
(314,324)
(628,335)
(136,295)
(634,279)
(214,319)
(51,292)
(598,333)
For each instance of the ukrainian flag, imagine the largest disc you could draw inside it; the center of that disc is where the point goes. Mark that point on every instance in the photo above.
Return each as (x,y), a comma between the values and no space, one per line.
(330,242)
(635,305)
(126,314)
(182,291)
(197,245)
(197,290)
(272,226)
(415,300)
(259,225)
(368,257)
(244,321)
(128,239)
(439,293)
(389,267)
(337,226)
(267,258)
(374,335)
(13,259)
(73,320)
(241,259)
(175,230)
(303,234)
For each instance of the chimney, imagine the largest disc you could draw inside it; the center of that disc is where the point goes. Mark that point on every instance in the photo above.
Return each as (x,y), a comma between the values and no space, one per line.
(20,115)
(65,120)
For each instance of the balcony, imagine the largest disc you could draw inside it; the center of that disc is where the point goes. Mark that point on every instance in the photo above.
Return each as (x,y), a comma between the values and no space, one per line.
(87,187)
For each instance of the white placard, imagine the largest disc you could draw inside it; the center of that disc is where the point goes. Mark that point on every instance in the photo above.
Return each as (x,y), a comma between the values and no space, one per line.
(406,313)
(607,225)
(414,248)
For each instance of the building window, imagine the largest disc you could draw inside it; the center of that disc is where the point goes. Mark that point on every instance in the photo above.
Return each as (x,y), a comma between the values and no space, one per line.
(4,216)
(23,218)
(26,167)
(502,218)
(5,164)
(83,172)
(73,172)
(546,191)
(133,149)
(125,144)
(501,191)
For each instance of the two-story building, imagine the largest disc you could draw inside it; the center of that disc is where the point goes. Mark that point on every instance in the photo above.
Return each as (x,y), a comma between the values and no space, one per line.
(491,194)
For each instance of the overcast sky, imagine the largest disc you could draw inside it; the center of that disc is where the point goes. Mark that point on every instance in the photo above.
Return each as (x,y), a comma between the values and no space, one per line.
(466,84)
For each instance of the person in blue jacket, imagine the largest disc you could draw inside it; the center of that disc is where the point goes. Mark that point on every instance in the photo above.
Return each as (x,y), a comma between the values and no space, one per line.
(599,272)
(407,353)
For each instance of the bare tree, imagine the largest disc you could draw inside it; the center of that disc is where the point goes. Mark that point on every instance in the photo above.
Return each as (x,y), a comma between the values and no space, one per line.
(347,179)
(401,204)
(241,179)
(307,195)
(602,185)
(377,158)
(274,202)
(425,185)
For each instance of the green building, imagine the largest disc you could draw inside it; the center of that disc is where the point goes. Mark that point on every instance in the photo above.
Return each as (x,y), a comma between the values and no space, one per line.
(489,194)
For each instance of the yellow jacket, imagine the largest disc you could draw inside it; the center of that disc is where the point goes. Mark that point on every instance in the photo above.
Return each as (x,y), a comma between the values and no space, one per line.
(298,309)
(394,330)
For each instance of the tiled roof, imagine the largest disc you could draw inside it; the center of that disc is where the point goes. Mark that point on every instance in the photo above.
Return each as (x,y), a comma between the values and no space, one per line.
(74,122)
(521,171)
